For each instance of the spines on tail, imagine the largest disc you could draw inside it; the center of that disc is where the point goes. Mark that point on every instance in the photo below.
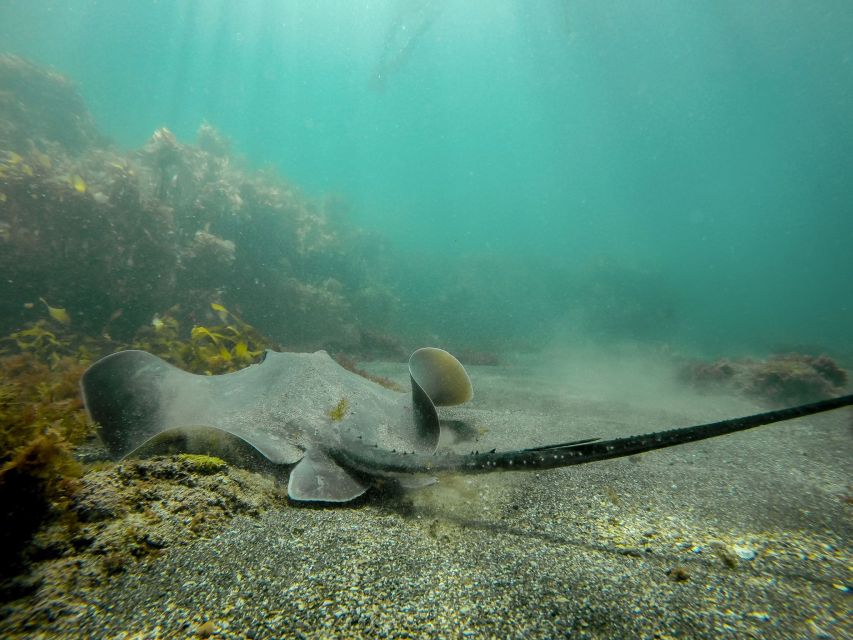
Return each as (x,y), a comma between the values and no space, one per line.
(377,461)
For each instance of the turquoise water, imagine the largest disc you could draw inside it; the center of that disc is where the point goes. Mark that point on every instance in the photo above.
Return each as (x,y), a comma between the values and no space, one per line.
(670,171)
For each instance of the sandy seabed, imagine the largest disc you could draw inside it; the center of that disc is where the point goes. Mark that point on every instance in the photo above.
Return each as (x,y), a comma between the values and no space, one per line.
(742,536)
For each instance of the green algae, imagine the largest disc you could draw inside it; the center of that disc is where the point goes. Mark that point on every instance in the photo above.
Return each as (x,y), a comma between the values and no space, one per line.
(337,413)
(205,465)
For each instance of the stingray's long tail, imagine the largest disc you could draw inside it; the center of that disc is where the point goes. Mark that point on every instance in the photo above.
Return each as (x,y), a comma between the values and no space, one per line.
(373,460)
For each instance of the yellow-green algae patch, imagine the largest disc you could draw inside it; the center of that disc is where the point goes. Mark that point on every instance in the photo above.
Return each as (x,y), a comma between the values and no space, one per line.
(337,413)
(205,465)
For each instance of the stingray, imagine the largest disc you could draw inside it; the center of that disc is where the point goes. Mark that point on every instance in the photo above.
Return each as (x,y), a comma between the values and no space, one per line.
(337,432)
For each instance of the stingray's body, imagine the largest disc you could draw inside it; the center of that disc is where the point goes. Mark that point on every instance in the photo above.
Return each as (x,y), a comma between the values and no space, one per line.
(290,409)
(340,430)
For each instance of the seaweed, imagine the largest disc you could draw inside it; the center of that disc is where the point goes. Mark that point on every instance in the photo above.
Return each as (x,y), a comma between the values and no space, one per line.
(41,420)
(37,338)
(337,413)
(39,102)
(223,347)
(114,237)
(205,465)
(783,378)
(228,346)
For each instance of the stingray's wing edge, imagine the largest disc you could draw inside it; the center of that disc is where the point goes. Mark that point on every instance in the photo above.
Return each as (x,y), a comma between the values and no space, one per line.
(122,396)
(130,396)
(317,478)
(203,439)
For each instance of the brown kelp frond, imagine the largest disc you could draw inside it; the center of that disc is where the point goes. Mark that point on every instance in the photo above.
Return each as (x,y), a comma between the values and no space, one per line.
(41,420)
(218,347)
(225,347)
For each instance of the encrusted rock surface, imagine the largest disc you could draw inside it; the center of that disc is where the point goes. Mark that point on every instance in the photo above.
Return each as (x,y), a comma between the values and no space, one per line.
(123,515)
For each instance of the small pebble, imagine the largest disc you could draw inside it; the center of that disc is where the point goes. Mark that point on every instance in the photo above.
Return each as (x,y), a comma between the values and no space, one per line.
(744,553)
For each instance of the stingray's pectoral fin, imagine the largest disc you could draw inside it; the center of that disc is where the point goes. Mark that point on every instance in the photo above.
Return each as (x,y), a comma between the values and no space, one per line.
(438,379)
(124,394)
(441,376)
(138,401)
(318,478)
(208,441)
